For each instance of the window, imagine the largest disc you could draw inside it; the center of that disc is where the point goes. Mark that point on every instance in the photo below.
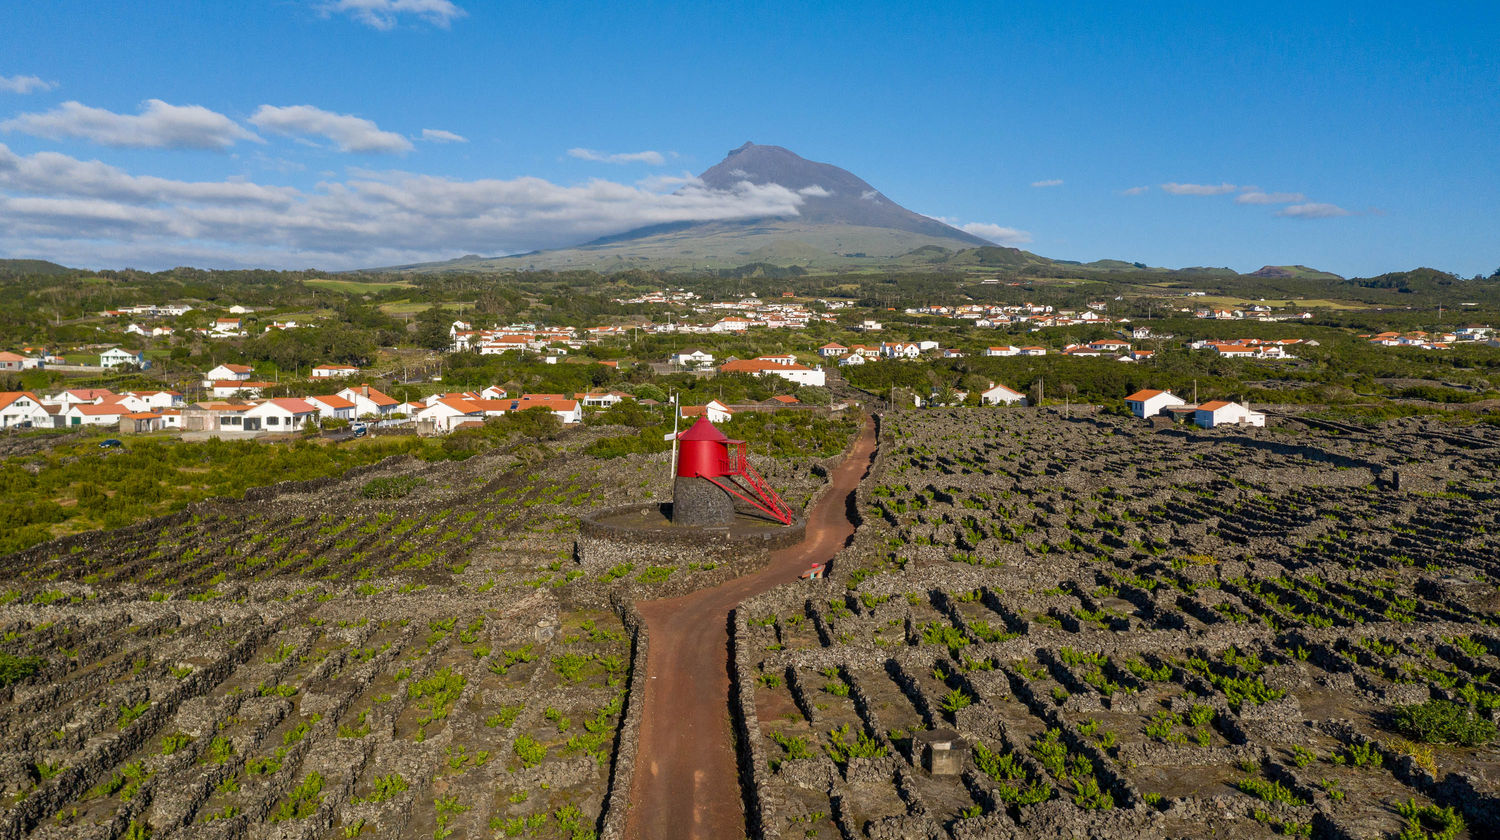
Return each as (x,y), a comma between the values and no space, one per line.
(273,421)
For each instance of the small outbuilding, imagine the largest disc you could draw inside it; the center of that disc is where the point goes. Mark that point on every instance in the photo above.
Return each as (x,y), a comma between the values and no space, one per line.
(1149,403)
(1211,415)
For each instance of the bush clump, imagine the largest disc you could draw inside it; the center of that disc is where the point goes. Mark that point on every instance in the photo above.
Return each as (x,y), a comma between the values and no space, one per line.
(390,487)
(13,669)
(1443,722)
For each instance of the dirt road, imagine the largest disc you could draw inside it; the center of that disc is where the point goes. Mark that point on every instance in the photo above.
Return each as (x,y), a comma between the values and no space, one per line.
(686,783)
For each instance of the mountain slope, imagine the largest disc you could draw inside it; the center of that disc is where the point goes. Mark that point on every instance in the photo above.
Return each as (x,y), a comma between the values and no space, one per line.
(842,222)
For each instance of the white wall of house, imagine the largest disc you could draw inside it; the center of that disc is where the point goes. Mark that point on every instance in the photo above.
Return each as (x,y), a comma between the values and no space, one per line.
(23,409)
(1001,395)
(1231,414)
(1152,406)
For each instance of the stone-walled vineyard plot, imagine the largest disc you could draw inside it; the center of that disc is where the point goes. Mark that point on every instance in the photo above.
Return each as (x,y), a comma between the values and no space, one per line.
(1141,632)
(311,663)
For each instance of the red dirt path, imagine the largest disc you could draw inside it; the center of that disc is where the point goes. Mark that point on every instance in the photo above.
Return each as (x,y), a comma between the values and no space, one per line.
(686,782)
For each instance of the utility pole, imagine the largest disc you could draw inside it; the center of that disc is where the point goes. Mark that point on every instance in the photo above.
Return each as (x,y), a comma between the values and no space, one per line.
(1195,392)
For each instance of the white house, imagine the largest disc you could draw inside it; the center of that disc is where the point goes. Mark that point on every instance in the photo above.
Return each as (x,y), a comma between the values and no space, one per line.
(1222,413)
(799,374)
(331,407)
(851,360)
(18,408)
(87,414)
(832,350)
(900,350)
(157,399)
(715,411)
(226,326)
(227,371)
(115,357)
(1003,350)
(333,371)
(1032,351)
(568,411)
(447,412)
(1149,403)
(15,361)
(76,396)
(1001,395)
(284,414)
(692,358)
(369,401)
(224,389)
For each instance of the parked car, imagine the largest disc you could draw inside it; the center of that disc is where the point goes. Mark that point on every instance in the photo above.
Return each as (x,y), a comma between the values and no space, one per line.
(359,431)
(109,443)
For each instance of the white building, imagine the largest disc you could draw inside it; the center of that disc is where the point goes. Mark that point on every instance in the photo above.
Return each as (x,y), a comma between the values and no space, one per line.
(284,414)
(87,414)
(447,412)
(157,399)
(115,357)
(692,358)
(715,411)
(1003,350)
(228,371)
(1222,413)
(331,407)
(1149,403)
(334,371)
(1001,395)
(799,374)
(19,408)
(369,401)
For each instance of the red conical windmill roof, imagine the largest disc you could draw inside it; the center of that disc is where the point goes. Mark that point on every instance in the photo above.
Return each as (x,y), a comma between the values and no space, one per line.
(703,430)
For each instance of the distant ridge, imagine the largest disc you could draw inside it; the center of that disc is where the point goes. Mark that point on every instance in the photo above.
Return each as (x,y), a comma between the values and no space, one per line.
(32,267)
(1300,272)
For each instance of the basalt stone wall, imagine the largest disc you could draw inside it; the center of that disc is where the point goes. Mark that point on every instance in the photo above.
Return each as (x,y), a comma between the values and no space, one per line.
(699,502)
(628,738)
(602,545)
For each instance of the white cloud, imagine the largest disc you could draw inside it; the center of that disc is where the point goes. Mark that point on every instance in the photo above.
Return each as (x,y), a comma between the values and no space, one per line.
(997,234)
(90,213)
(814,191)
(647,157)
(159,126)
(1197,189)
(1136,191)
(1258,197)
(1313,210)
(351,133)
(384,14)
(1050,182)
(25,84)
(52,175)
(870,195)
(436,135)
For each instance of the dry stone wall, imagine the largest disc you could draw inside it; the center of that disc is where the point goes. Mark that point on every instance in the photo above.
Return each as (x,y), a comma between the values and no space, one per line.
(1138,632)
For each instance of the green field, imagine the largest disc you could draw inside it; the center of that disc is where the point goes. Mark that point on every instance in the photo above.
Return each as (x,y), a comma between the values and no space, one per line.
(355,287)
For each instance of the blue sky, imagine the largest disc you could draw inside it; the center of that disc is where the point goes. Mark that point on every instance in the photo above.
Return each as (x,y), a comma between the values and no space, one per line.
(1358,138)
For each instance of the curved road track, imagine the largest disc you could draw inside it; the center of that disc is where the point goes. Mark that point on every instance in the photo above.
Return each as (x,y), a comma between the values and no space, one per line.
(686,781)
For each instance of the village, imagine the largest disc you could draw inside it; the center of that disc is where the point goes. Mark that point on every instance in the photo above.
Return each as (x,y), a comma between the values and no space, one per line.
(235,399)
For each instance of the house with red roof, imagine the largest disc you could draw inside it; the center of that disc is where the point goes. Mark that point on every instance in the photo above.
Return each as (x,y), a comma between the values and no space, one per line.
(22,408)
(282,414)
(1217,413)
(1149,402)
(370,402)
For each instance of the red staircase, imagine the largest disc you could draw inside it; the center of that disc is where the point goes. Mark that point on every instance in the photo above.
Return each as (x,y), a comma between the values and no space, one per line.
(767,499)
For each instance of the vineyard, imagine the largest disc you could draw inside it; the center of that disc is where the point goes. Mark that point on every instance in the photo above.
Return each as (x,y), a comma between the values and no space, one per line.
(409,650)
(1140,632)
